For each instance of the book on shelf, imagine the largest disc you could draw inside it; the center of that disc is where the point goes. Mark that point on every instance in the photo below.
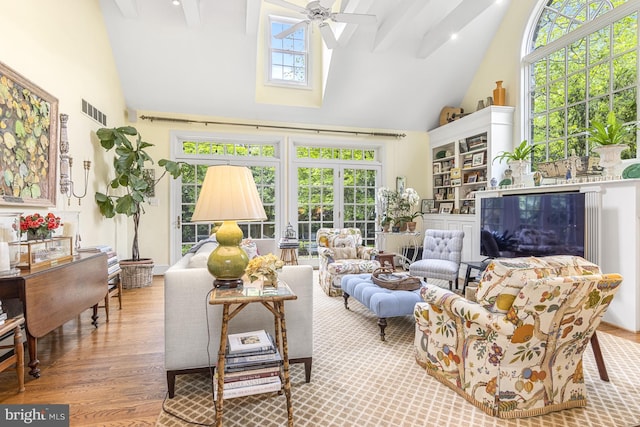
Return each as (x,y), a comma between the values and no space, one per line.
(248,382)
(249,374)
(96,248)
(248,390)
(113,269)
(252,341)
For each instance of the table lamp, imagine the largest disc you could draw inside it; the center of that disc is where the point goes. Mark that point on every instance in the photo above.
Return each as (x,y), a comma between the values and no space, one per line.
(228,194)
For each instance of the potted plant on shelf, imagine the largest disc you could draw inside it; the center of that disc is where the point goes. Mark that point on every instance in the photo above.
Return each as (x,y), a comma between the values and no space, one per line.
(611,139)
(129,190)
(518,159)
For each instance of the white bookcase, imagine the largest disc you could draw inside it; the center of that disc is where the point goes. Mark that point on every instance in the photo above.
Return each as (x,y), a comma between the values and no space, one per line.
(467,146)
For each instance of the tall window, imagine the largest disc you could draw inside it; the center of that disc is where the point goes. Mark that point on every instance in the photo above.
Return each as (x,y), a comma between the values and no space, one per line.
(289,55)
(260,157)
(583,63)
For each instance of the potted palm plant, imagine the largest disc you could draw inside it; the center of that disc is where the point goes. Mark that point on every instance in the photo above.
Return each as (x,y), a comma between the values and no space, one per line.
(518,159)
(129,190)
(611,138)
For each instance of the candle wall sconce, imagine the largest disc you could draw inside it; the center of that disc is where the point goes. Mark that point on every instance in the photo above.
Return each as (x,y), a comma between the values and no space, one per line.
(67,186)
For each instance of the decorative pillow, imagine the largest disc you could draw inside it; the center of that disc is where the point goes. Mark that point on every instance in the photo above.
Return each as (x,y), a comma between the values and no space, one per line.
(199,259)
(344,253)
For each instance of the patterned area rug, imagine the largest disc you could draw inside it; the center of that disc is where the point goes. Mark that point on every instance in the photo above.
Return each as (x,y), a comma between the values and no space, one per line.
(358,380)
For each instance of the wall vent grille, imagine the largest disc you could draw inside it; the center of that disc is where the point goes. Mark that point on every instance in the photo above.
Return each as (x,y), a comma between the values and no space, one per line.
(94,113)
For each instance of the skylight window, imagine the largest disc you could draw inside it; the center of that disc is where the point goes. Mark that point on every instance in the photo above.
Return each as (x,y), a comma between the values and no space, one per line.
(289,55)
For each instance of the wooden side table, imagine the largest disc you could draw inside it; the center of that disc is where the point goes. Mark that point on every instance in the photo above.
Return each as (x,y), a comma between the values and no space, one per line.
(289,256)
(386,259)
(273,299)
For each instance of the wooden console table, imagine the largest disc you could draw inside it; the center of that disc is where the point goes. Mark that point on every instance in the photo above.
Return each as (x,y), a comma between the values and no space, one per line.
(53,296)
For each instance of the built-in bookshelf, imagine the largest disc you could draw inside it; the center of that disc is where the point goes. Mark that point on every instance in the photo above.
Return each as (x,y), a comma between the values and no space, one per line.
(462,153)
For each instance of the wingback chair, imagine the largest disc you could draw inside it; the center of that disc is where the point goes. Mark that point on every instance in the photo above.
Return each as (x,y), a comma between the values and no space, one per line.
(517,352)
(341,252)
(441,253)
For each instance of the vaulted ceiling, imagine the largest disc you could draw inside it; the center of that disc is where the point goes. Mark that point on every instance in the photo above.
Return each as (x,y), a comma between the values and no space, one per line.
(199,58)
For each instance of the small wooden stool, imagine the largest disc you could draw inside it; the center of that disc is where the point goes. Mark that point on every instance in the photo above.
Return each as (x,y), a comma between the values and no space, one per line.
(18,350)
(114,284)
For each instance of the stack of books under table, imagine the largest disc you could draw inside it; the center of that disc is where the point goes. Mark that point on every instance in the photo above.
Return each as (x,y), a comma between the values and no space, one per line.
(252,365)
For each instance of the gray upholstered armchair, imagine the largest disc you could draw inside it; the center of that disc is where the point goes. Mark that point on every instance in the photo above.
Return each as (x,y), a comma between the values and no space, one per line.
(441,253)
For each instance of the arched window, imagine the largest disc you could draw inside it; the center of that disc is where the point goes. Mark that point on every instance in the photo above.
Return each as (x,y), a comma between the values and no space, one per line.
(582,62)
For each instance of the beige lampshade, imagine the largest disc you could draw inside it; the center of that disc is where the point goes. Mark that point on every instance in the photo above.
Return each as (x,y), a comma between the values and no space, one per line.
(228,193)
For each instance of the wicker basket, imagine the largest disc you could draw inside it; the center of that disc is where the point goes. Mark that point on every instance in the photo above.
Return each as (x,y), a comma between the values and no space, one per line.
(136,275)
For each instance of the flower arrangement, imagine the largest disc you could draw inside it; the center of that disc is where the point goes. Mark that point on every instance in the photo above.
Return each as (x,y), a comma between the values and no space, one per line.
(38,225)
(397,206)
(264,266)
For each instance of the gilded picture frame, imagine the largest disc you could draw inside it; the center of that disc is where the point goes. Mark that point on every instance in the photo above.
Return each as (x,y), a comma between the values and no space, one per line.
(29,136)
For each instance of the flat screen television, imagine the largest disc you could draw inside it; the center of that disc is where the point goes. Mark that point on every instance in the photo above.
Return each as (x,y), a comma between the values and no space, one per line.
(533,225)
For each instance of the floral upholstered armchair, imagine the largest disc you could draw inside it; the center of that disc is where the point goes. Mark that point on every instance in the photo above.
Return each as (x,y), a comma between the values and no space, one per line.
(517,352)
(341,252)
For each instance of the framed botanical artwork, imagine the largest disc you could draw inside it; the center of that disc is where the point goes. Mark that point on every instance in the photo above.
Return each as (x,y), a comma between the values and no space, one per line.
(446,208)
(426,205)
(29,156)
(478,159)
(401,183)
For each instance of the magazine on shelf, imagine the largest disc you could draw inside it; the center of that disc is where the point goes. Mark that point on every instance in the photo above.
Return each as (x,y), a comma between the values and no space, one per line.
(249,342)
(246,391)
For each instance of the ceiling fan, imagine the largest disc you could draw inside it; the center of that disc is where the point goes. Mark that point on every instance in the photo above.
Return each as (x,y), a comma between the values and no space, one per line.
(319,11)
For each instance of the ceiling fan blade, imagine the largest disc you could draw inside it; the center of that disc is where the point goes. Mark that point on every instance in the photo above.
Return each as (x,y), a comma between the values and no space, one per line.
(327,35)
(288,5)
(327,3)
(292,29)
(354,18)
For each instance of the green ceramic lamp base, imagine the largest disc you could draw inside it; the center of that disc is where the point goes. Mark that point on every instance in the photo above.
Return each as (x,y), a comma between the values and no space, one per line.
(228,261)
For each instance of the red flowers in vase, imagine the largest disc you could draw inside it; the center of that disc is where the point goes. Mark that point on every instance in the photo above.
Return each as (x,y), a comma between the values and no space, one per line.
(37,226)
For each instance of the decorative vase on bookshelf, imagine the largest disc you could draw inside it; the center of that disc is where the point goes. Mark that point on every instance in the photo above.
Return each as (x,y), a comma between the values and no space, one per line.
(499,94)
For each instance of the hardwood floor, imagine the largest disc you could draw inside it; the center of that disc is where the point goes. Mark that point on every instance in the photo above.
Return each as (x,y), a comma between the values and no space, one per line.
(113,375)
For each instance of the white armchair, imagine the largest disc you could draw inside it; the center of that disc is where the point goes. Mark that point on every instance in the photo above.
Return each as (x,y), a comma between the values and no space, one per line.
(187,313)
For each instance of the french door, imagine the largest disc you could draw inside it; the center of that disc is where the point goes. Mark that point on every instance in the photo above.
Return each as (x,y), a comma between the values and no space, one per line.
(334,196)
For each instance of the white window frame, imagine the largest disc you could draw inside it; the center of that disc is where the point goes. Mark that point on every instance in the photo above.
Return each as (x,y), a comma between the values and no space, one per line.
(270,49)
(178,137)
(530,57)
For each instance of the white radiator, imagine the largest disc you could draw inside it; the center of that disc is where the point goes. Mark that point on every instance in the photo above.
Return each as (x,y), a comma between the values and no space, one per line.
(592,206)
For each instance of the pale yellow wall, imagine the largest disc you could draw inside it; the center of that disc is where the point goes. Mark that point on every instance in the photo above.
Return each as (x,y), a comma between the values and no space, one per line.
(62,46)
(502,62)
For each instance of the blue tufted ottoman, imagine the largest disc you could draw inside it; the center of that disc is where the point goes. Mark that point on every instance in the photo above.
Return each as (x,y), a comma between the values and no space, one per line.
(383,302)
